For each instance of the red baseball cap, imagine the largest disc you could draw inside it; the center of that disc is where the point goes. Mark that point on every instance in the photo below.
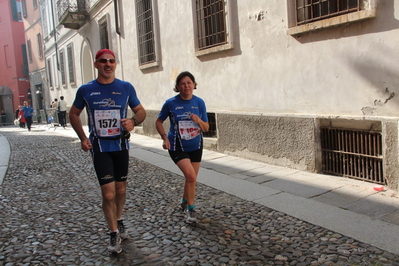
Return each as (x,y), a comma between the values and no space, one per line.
(104,51)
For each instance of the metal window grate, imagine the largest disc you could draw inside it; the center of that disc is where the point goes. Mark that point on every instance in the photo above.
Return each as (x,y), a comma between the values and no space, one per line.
(62,67)
(29,47)
(104,35)
(313,10)
(211,23)
(354,154)
(39,45)
(49,76)
(71,66)
(212,126)
(145,31)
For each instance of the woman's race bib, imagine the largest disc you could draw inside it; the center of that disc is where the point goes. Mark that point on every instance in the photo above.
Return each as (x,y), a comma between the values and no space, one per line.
(108,122)
(188,130)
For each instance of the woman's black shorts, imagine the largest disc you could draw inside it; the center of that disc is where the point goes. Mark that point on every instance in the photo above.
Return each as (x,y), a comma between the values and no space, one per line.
(194,156)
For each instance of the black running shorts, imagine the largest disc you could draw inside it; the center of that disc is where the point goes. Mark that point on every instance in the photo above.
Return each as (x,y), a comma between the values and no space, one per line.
(194,156)
(111,166)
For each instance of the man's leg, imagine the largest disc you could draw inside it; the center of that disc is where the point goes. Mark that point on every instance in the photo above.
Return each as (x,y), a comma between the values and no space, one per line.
(63,118)
(121,167)
(120,198)
(109,205)
(109,209)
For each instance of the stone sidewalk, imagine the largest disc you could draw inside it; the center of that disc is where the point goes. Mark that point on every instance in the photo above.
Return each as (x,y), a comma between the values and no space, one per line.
(350,207)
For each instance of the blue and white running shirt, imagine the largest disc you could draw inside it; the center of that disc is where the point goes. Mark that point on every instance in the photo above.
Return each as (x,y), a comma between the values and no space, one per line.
(106,105)
(183,131)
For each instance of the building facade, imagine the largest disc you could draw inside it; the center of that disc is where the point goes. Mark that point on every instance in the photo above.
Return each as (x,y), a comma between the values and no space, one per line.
(14,78)
(310,86)
(36,60)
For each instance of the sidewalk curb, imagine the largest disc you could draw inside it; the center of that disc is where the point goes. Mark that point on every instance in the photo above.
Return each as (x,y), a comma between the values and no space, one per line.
(4,158)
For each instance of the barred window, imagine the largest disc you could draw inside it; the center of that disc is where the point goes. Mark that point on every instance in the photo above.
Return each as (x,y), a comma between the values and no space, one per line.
(212,132)
(43,16)
(313,10)
(211,23)
(71,67)
(23,5)
(145,31)
(104,35)
(49,76)
(62,67)
(39,45)
(29,48)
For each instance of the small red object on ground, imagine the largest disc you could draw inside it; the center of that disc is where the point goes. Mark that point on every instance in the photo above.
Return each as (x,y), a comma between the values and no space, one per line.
(379,188)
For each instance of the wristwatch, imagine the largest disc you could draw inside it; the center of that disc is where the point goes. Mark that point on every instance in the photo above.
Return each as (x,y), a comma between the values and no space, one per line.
(135,121)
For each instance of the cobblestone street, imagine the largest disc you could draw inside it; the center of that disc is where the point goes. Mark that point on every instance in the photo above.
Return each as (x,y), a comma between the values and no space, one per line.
(50,214)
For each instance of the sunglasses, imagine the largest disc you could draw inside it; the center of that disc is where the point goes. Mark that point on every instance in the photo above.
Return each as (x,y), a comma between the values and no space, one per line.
(105,60)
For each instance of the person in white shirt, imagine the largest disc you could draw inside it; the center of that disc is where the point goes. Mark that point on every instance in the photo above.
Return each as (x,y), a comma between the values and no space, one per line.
(62,106)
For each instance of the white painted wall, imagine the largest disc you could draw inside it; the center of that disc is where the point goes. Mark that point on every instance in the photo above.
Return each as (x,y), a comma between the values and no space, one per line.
(347,70)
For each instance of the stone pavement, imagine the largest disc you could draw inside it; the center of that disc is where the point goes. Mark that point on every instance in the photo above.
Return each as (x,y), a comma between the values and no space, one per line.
(251,213)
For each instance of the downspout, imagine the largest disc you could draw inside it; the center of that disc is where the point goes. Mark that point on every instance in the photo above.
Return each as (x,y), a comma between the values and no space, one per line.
(118,31)
(55,36)
(116,17)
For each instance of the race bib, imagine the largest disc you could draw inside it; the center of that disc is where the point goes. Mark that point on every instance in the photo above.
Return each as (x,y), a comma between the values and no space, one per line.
(108,122)
(188,130)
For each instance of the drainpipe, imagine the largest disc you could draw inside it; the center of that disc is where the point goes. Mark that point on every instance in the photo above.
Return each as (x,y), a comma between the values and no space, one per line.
(118,31)
(55,35)
(117,17)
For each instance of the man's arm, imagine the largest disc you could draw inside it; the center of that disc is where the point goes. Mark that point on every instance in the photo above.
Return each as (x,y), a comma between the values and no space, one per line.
(76,123)
(139,116)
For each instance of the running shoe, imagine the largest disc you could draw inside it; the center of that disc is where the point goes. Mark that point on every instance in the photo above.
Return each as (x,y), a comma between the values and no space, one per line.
(115,246)
(191,217)
(183,206)
(122,230)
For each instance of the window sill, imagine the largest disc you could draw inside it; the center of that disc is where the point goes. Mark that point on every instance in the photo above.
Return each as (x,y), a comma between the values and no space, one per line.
(215,49)
(149,65)
(331,22)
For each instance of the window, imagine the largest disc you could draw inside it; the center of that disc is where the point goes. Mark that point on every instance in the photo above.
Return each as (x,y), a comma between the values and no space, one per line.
(29,48)
(35,4)
(212,26)
(71,67)
(54,68)
(49,76)
(39,45)
(212,132)
(104,35)
(308,15)
(25,68)
(44,20)
(62,67)
(23,4)
(145,31)
(312,10)
(7,55)
(16,10)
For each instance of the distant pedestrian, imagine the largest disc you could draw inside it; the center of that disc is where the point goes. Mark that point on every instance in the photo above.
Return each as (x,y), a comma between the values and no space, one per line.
(62,107)
(188,119)
(55,113)
(54,104)
(3,117)
(107,101)
(21,118)
(28,114)
(17,111)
